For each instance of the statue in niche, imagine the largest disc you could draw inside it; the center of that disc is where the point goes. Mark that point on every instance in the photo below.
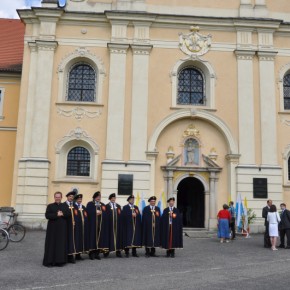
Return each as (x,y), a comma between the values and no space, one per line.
(191,152)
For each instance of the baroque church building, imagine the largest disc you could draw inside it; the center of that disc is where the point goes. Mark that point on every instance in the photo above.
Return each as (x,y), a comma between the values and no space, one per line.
(188,97)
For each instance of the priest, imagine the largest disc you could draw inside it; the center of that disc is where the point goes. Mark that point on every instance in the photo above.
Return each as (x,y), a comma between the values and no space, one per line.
(114,226)
(151,227)
(71,247)
(97,226)
(55,250)
(131,227)
(81,227)
(171,229)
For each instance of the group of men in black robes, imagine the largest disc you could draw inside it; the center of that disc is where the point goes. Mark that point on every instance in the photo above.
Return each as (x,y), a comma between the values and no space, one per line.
(74,229)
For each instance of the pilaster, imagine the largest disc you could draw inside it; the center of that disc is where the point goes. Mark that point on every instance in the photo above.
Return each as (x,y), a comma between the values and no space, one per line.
(246,106)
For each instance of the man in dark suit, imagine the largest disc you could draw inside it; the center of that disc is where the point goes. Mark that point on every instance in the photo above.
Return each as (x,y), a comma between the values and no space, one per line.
(266,209)
(151,227)
(284,226)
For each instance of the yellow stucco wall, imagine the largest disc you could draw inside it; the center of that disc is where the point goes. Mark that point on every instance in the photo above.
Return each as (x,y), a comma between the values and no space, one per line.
(8,136)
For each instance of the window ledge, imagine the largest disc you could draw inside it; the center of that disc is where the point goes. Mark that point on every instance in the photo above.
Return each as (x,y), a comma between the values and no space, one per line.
(89,104)
(284,112)
(287,185)
(193,107)
(76,180)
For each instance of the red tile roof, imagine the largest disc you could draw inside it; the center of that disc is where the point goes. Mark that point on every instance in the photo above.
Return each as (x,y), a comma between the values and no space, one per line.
(11,44)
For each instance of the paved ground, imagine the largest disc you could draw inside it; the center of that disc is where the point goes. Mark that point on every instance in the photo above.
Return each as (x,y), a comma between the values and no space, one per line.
(203,264)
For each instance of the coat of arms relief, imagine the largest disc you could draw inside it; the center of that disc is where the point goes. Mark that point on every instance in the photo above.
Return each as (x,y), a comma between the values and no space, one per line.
(194,44)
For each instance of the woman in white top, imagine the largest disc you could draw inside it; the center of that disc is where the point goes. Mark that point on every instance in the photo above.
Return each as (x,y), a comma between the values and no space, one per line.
(273,218)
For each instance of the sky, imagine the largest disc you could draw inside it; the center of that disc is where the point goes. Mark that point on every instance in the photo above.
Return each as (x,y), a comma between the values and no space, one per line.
(8,7)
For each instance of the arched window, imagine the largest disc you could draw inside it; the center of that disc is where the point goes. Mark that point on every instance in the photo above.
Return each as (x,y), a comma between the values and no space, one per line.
(191,87)
(286,91)
(78,162)
(81,83)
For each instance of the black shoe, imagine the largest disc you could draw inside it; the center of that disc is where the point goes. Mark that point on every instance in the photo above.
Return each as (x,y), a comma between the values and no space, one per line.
(59,264)
(281,246)
(153,255)
(288,247)
(135,255)
(97,257)
(92,255)
(106,254)
(79,257)
(119,255)
(71,260)
(127,255)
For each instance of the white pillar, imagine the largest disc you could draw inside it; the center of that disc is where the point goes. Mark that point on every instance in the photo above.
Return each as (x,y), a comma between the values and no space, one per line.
(116,103)
(139,113)
(212,201)
(30,98)
(42,100)
(268,108)
(233,160)
(246,106)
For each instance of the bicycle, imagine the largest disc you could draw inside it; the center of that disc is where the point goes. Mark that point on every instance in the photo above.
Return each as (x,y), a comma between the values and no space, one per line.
(4,239)
(16,232)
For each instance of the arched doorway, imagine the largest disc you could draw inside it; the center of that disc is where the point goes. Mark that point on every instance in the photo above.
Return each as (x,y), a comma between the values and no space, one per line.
(191,202)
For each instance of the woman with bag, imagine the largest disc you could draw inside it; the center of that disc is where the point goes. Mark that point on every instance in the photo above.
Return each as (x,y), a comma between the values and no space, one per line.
(273,219)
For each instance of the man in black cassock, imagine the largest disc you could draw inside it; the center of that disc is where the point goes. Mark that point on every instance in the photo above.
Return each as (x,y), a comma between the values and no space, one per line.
(114,226)
(131,227)
(171,229)
(71,247)
(81,227)
(55,252)
(151,227)
(97,226)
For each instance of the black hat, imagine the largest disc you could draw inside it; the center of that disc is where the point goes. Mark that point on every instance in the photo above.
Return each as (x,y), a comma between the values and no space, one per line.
(70,193)
(96,194)
(152,198)
(129,197)
(171,198)
(78,196)
(112,195)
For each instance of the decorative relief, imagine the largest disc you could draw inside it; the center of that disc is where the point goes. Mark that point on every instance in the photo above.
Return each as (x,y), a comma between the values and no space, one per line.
(77,134)
(82,52)
(191,131)
(213,154)
(285,121)
(79,113)
(194,44)
(170,154)
(46,45)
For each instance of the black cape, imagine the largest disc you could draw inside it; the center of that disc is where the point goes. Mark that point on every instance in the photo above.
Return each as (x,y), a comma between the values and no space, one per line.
(71,248)
(171,234)
(131,227)
(55,251)
(114,228)
(81,229)
(97,227)
(151,233)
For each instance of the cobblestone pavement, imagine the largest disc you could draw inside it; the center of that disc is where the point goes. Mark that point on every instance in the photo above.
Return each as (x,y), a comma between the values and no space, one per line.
(202,264)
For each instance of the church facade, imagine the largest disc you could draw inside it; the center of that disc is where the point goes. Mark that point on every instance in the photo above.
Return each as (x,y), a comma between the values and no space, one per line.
(155,96)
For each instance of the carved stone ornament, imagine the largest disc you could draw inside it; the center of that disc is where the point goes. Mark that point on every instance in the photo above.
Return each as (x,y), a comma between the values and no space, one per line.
(194,44)
(191,131)
(170,154)
(78,113)
(77,134)
(213,154)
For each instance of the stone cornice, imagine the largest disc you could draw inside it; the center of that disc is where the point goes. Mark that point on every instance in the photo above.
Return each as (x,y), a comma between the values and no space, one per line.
(244,54)
(119,48)
(267,55)
(141,49)
(46,45)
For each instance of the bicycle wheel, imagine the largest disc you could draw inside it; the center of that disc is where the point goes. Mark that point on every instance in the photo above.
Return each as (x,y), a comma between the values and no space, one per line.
(16,232)
(4,239)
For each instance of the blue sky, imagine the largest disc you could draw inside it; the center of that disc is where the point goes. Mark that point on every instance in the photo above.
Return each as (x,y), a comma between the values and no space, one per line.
(8,7)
